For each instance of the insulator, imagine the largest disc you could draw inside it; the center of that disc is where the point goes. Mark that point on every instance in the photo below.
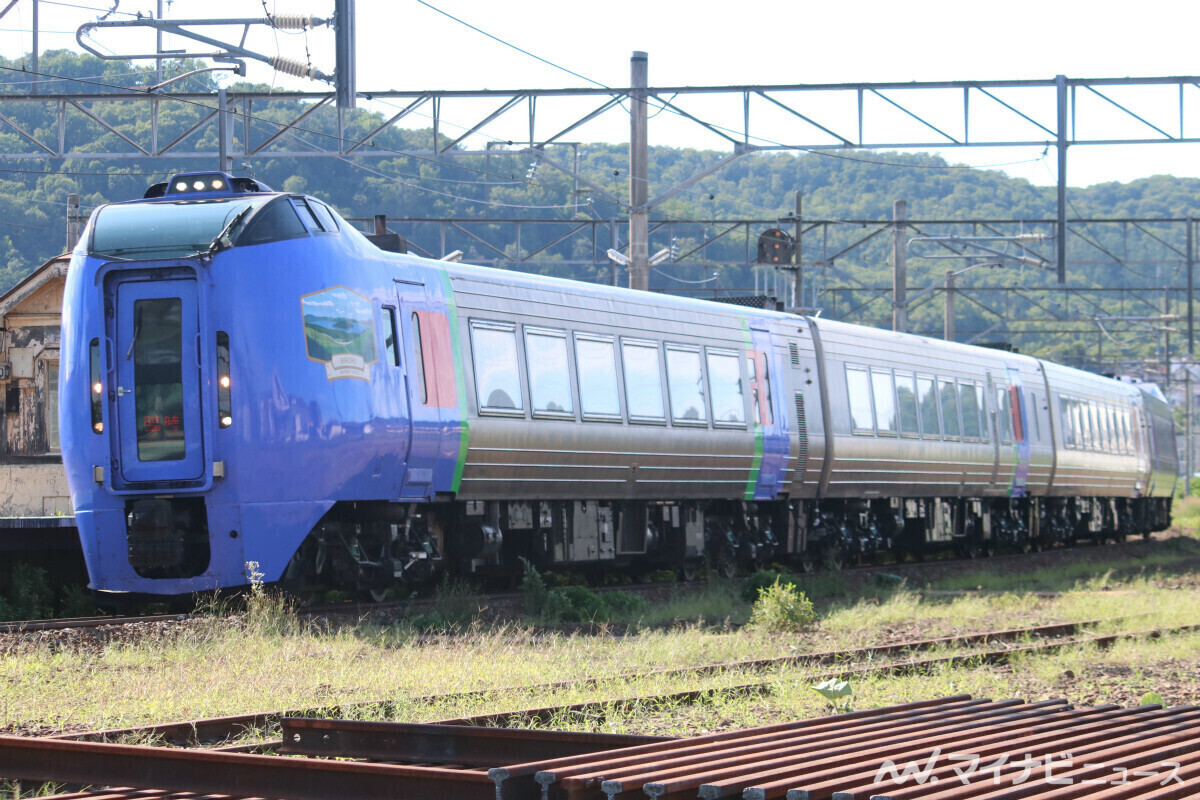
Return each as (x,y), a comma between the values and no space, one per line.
(286,65)
(292,22)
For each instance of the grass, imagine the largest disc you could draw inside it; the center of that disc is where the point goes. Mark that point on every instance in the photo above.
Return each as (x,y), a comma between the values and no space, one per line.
(263,659)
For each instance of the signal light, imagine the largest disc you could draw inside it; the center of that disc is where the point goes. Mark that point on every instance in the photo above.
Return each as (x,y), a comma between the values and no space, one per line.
(775,247)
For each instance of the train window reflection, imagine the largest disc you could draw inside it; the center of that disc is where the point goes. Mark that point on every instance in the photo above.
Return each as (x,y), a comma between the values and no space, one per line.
(884,394)
(979,404)
(597,365)
(497,379)
(950,423)
(685,383)
(969,402)
(858,389)
(725,385)
(906,395)
(931,424)
(643,382)
(549,376)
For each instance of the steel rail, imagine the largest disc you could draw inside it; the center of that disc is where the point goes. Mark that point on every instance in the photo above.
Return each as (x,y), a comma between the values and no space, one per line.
(953,748)
(219,729)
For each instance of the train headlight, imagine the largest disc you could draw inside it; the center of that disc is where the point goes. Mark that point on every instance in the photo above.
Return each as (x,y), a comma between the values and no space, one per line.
(199,186)
(181,186)
(217,183)
(97,396)
(224,399)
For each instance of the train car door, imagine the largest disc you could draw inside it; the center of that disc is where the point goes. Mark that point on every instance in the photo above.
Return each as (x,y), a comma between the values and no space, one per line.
(156,402)
(772,442)
(434,463)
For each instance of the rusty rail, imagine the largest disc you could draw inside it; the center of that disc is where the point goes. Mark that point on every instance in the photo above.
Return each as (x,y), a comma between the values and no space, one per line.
(953,748)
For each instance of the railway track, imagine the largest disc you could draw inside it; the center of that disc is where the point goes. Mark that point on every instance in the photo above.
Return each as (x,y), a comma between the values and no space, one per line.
(357,609)
(845,664)
(954,747)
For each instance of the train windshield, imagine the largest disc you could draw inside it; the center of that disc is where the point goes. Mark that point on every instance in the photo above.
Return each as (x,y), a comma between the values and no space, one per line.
(167,230)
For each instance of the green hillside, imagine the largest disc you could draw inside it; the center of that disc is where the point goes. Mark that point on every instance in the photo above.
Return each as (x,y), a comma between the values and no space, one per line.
(836,186)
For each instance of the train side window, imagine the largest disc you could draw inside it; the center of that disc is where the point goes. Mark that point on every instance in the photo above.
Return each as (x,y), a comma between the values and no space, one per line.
(983,416)
(1093,427)
(931,425)
(1037,418)
(884,394)
(1126,439)
(685,385)
(497,375)
(969,402)
(759,376)
(418,361)
(597,366)
(549,374)
(306,214)
(1104,414)
(274,223)
(324,215)
(1078,419)
(725,388)
(1004,414)
(643,382)
(950,420)
(1114,439)
(858,390)
(906,395)
(390,338)
(1069,426)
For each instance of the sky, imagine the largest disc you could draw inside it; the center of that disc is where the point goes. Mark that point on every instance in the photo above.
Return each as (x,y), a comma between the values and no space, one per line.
(445,45)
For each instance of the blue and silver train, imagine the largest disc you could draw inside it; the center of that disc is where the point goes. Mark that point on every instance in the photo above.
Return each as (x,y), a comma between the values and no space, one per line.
(247,379)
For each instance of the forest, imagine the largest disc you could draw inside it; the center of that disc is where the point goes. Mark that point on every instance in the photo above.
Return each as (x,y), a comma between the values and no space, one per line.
(1105,314)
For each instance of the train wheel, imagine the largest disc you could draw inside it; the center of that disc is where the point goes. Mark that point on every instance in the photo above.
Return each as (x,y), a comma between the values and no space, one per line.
(725,564)
(833,558)
(378,595)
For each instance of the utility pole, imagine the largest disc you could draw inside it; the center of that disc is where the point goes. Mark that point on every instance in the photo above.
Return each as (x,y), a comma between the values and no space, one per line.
(639,160)
(158,47)
(34,59)
(344,72)
(948,325)
(798,284)
(73,222)
(1187,433)
(900,269)
(224,132)
(1060,82)
(1191,290)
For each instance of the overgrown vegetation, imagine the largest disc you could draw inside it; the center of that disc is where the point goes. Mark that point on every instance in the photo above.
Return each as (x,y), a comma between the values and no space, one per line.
(575,604)
(258,657)
(782,608)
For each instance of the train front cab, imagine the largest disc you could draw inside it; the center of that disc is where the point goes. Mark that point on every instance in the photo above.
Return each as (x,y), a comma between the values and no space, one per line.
(154,395)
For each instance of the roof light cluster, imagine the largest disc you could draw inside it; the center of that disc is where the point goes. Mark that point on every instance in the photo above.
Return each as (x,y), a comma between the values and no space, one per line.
(198,183)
